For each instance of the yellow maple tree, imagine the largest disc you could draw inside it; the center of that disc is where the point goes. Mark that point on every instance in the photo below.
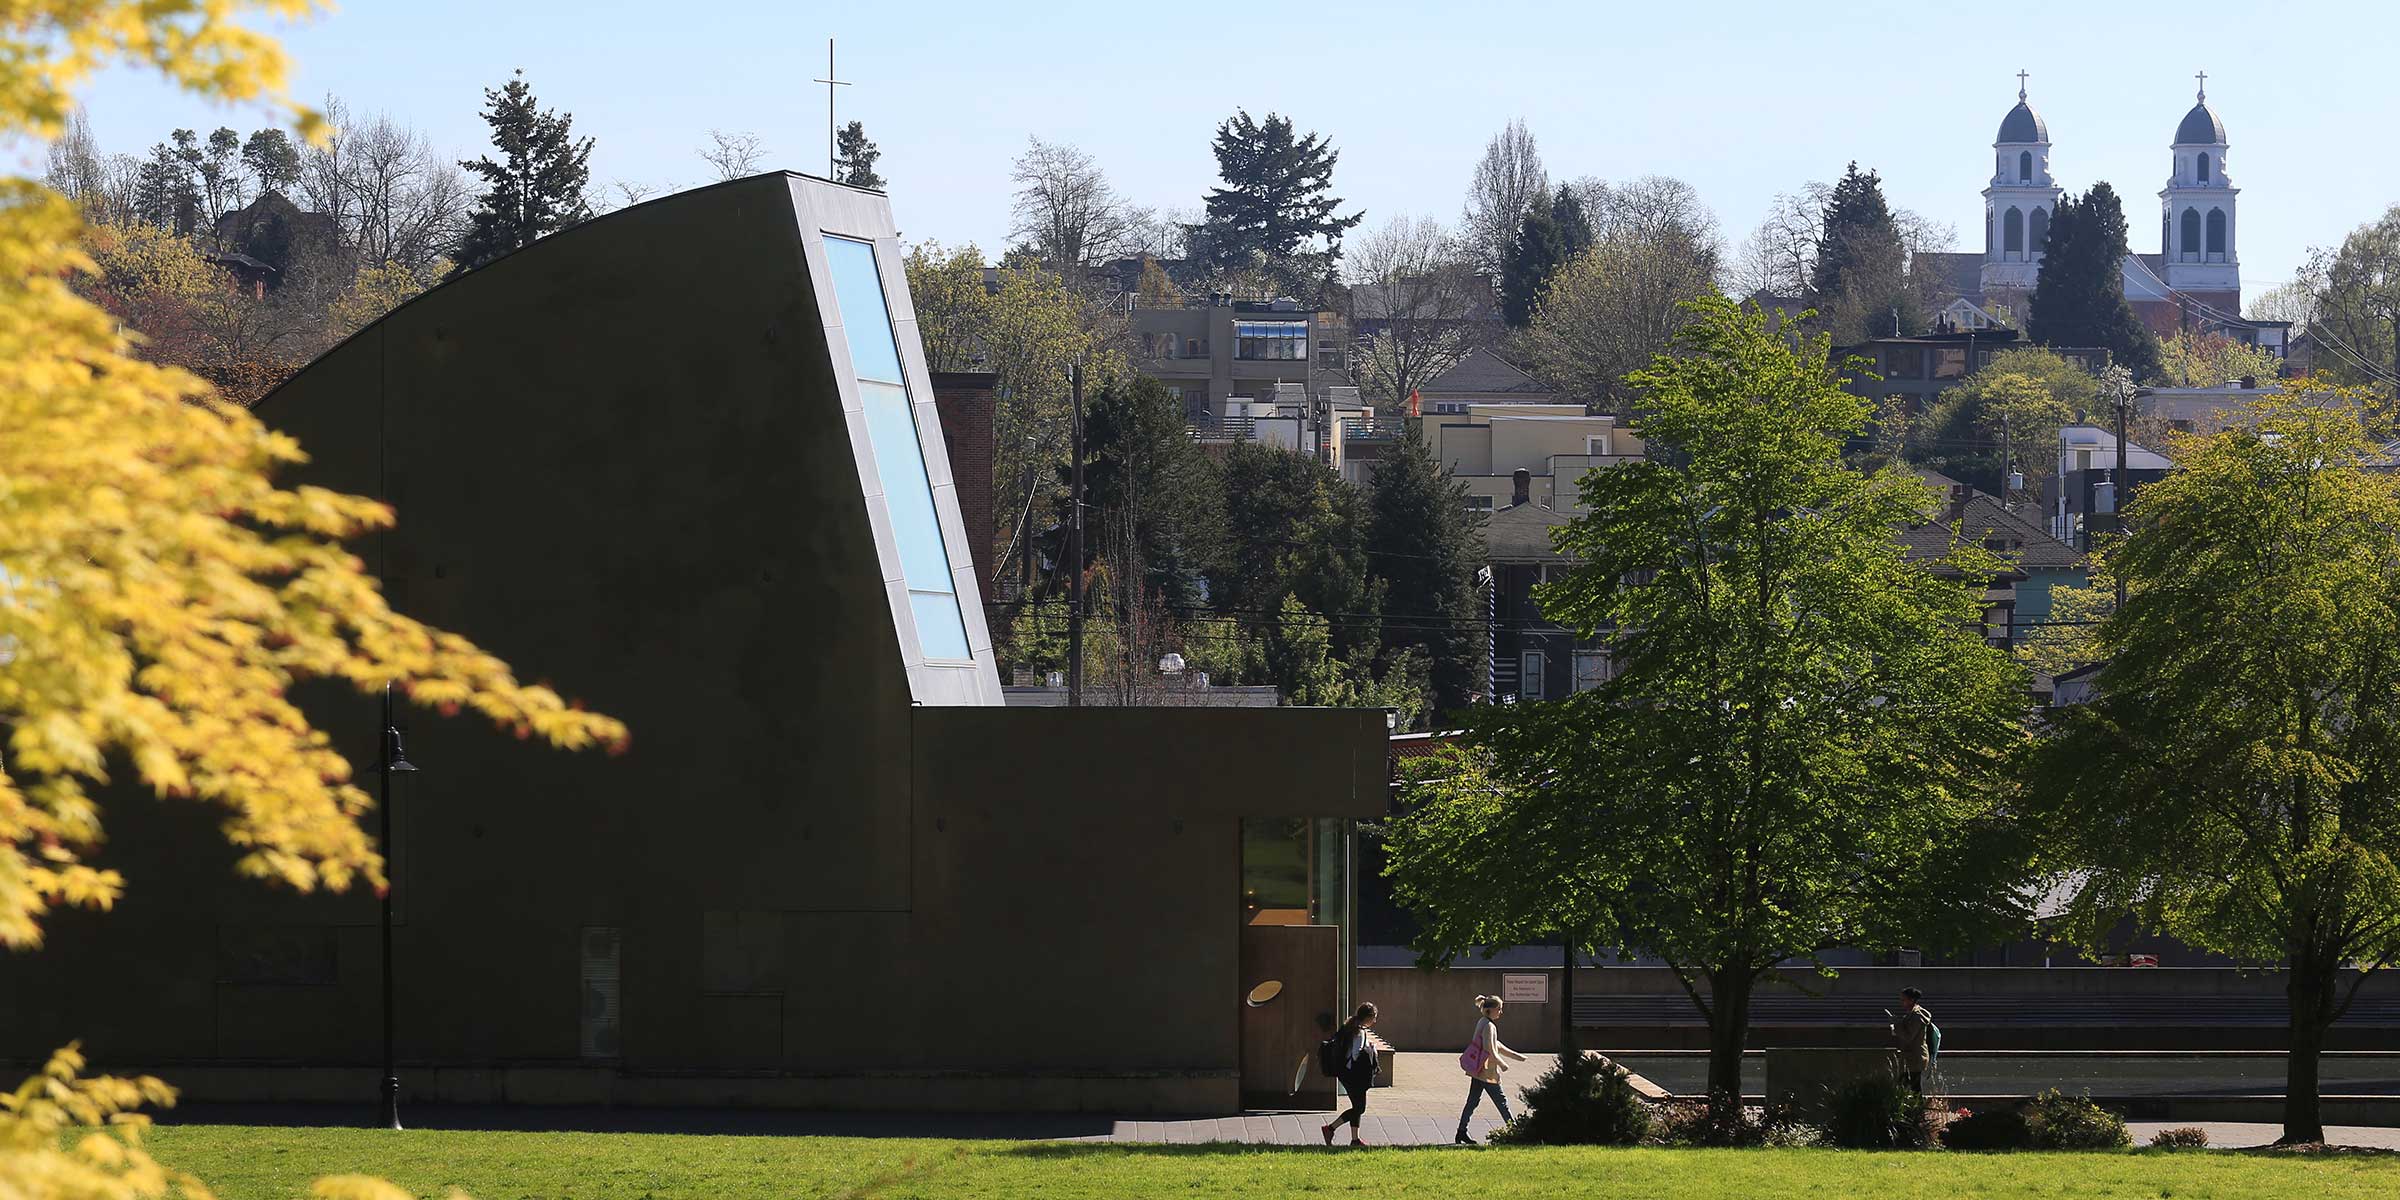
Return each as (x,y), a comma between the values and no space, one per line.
(159,591)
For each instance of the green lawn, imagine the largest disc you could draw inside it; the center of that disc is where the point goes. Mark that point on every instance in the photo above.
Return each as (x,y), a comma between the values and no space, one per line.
(244,1163)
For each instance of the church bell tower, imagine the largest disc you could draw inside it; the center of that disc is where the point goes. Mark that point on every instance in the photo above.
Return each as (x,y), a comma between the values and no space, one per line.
(2018,204)
(2196,235)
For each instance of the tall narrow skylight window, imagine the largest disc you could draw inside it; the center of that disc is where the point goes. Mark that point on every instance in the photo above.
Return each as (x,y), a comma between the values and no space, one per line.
(899,453)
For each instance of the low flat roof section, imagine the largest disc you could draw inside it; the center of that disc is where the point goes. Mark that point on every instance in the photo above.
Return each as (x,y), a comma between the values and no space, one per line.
(1185,762)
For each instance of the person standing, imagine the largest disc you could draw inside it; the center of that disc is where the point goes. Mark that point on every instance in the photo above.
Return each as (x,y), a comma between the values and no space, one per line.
(1912,1034)
(1481,1062)
(1358,1071)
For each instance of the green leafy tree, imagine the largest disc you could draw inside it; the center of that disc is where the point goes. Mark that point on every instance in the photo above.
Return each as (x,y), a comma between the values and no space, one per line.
(2234,783)
(2069,636)
(1421,542)
(2213,360)
(536,188)
(2079,298)
(213,168)
(854,157)
(1859,283)
(1554,231)
(2354,296)
(1486,861)
(1298,650)
(2010,408)
(1609,309)
(1798,747)
(1026,326)
(1276,210)
(272,160)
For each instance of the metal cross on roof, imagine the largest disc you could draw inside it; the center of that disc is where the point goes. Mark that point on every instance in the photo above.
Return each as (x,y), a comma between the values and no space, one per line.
(2203,77)
(832,155)
(2020,83)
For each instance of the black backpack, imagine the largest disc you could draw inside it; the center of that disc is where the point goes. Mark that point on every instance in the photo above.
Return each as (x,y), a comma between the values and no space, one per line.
(1331,1054)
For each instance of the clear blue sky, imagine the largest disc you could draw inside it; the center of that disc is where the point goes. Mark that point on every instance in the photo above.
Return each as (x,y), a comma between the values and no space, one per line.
(1743,100)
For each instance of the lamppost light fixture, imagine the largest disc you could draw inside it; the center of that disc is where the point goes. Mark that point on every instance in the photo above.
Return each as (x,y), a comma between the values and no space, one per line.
(397,760)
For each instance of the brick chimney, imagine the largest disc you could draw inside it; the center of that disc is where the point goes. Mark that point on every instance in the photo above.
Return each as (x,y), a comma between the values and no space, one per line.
(1521,491)
(1960,494)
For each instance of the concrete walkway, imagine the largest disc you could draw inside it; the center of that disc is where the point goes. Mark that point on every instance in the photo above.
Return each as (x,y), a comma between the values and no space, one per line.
(1419,1109)
(2240,1134)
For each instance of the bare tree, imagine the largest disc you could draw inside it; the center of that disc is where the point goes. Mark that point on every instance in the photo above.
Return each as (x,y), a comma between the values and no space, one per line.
(1419,305)
(392,197)
(1066,210)
(74,166)
(411,203)
(625,193)
(734,155)
(2292,301)
(1779,258)
(1507,182)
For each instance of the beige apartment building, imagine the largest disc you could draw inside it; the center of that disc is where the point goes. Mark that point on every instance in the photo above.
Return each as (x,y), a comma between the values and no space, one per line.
(1510,454)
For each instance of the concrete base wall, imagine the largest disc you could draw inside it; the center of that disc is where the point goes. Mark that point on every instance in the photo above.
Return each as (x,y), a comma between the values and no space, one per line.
(1133,1092)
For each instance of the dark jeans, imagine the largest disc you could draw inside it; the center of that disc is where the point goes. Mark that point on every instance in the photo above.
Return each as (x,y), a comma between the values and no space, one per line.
(1357,1086)
(1476,1089)
(1916,1081)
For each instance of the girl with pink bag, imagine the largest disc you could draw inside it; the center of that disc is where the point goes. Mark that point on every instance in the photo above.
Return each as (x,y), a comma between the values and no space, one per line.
(1481,1061)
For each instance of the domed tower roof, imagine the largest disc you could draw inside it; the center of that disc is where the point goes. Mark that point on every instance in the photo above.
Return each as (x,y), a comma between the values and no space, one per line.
(2022,125)
(2200,127)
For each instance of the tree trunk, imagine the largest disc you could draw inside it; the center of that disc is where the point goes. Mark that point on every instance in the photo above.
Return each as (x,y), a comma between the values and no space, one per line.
(1728,1034)
(2310,993)
(1566,1001)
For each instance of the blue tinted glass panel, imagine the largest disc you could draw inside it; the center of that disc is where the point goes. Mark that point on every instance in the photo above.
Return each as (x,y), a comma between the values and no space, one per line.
(865,322)
(939,628)
(892,427)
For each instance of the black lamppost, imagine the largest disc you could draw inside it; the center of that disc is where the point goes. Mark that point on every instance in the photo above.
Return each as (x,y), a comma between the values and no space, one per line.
(391,760)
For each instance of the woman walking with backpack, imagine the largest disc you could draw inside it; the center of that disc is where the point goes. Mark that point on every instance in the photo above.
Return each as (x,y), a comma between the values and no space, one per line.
(1358,1070)
(1481,1062)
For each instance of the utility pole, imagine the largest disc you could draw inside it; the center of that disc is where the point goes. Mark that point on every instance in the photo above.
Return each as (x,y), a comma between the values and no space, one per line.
(2124,402)
(1075,545)
(2120,387)
(2008,460)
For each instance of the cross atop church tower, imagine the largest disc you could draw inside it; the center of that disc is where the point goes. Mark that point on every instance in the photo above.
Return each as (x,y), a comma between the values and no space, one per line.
(2020,83)
(2203,77)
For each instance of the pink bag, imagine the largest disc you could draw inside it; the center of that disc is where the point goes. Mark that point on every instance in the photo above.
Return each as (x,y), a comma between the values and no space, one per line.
(1470,1059)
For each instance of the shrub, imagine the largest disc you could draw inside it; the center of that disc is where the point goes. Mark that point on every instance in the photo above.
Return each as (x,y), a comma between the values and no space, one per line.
(1875,1113)
(2062,1122)
(1585,1100)
(2190,1137)
(1687,1122)
(1992,1129)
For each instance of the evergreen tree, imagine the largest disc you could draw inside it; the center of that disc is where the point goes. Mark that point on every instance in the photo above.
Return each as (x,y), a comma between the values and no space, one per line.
(1293,528)
(1149,489)
(1421,542)
(2079,298)
(537,187)
(1555,230)
(1274,211)
(1859,285)
(854,157)
(162,190)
